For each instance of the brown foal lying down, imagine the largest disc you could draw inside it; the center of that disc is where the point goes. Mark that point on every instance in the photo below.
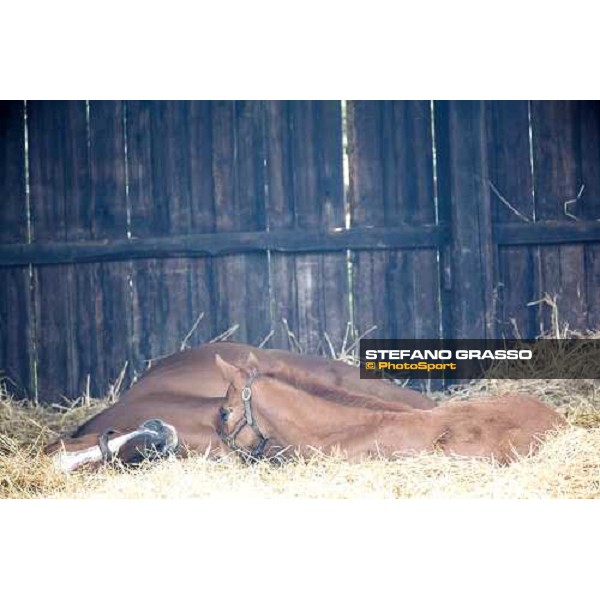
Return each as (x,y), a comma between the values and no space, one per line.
(186,390)
(272,412)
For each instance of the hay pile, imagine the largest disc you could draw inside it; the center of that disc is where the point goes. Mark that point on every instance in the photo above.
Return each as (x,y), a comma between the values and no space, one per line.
(567,466)
(25,428)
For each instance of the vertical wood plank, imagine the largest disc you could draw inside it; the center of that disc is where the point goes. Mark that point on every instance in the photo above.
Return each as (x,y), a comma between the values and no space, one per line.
(168,146)
(391,173)
(13,210)
(511,177)
(109,283)
(366,195)
(83,280)
(281,202)
(60,210)
(464,197)
(321,279)
(228,270)
(556,181)
(409,197)
(202,219)
(16,317)
(334,288)
(588,116)
(251,202)
(588,152)
(307,207)
(242,282)
(145,340)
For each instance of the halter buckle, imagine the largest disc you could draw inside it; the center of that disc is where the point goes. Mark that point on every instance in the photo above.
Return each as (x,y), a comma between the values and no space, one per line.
(246,395)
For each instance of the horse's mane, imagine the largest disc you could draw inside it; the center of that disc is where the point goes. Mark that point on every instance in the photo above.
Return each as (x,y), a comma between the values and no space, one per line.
(307,382)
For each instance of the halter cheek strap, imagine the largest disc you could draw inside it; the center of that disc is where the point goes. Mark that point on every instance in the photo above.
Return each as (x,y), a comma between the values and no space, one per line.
(248,420)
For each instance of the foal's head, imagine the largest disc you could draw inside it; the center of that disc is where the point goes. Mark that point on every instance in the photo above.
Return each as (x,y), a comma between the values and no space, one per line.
(239,427)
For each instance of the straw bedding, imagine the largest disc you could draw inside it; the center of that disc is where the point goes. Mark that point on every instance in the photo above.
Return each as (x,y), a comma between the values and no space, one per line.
(567,465)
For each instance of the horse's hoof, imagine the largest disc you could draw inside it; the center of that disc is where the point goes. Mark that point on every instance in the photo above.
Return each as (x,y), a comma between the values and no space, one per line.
(167,438)
(152,440)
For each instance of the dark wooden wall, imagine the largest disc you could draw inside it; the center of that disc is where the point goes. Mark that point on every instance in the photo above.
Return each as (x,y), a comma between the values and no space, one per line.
(124,224)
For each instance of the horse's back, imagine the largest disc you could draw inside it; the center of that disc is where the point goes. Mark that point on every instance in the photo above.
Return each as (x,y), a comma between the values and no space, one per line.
(194,371)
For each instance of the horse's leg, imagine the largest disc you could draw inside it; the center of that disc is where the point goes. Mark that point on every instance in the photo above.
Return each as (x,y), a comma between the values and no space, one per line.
(154,436)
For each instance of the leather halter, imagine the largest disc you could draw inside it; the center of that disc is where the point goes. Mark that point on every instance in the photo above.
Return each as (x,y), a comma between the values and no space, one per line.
(248,420)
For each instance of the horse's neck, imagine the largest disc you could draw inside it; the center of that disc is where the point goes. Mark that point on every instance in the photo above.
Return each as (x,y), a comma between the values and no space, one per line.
(294,414)
(319,384)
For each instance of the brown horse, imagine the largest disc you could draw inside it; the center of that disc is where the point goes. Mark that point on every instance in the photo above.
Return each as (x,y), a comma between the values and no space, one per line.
(272,412)
(193,419)
(186,390)
(194,372)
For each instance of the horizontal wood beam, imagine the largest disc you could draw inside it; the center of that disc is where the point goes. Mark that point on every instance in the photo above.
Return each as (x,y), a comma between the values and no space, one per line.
(298,241)
(546,233)
(217,244)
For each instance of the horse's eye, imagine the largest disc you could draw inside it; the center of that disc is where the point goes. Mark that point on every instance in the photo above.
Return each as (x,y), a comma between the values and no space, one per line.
(224,414)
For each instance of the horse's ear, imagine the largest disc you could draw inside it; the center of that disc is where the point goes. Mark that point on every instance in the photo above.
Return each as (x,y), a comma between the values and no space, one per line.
(252,361)
(230,372)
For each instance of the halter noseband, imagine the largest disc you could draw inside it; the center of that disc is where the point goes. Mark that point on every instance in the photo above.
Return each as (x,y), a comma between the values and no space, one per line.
(248,420)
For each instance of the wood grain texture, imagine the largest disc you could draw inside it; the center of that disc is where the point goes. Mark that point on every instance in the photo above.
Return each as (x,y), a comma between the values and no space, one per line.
(60,210)
(367,208)
(170,194)
(253,286)
(556,181)
(110,292)
(511,181)
(392,184)
(409,196)
(292,241)
(17,357)
(241,282)
(465,202)
(280,217)
(588,207)
(236,210)
(321,280)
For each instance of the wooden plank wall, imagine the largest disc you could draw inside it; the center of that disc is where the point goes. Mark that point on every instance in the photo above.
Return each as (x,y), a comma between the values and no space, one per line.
(305,190)
(16,315)
(77,181)
(464,199)
(169,191)
(60,209)
(542,156)
(241,281)
(391,182)
(556,181)
(512,201)
(119,170)
(111,294)
(588,152)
